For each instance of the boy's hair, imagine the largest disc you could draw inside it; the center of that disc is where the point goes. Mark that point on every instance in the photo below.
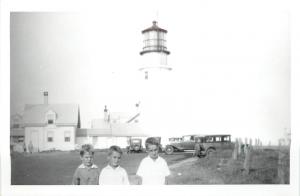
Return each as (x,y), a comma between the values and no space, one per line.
(114,149)
(151,141)
(86,148)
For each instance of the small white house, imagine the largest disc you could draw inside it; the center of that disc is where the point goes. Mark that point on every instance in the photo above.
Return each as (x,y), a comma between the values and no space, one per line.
(106,134)
(114,129)
(51,126)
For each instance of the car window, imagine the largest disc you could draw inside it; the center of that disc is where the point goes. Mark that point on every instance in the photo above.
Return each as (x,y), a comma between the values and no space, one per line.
(226,138)
(209,139)
(186,138)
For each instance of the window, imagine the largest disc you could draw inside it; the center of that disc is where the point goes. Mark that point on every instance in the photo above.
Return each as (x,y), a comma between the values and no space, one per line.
(226,139)
(209,139)
(50,117)
(20,139)
(218,139)
(67,136)
(186,138)
(15,126)
(50,136)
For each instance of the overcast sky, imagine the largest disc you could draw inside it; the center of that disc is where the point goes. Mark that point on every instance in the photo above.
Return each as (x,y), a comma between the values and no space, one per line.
(231,64)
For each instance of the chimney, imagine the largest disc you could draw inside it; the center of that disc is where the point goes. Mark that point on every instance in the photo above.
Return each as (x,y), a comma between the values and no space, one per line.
(45,97)
(106,116)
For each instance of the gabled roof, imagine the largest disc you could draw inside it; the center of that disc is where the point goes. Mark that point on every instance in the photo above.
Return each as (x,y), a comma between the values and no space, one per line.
(127,129)
(133,118)
(93,132)
(113,130)
(66,114)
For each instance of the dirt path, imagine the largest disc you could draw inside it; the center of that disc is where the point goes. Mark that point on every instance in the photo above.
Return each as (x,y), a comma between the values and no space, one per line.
(191,171)
(194,171)
(183,163)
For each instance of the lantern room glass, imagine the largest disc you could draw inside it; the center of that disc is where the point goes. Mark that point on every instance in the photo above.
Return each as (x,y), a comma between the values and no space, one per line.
(154,41)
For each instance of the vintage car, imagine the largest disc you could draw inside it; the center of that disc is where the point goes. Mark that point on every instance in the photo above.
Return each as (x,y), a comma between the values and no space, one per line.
(135,145)
(187,142)
(209,144)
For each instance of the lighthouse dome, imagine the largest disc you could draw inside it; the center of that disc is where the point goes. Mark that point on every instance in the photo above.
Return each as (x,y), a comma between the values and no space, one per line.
(154,40)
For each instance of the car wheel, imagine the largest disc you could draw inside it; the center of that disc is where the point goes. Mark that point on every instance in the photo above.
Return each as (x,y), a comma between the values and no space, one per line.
(169,150)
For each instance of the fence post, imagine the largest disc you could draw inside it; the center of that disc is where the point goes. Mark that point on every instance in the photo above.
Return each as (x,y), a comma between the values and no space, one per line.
(245,145)
(240,146)
(236,148)
(280,171)
(247,161)
(259,145)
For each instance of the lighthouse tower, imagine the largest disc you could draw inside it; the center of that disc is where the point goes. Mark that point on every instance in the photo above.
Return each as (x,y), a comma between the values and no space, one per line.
(155,80)
(154,53)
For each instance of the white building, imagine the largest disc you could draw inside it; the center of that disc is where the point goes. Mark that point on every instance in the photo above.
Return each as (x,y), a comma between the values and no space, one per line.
(114,129)
(51,126)
(156,89)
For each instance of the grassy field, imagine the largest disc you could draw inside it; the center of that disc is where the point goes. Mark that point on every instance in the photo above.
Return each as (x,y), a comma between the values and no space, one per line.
(57,168)
(222,169)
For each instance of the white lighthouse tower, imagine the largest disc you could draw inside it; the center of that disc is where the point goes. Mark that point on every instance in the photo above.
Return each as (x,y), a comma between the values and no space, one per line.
(155,80)
(154,53)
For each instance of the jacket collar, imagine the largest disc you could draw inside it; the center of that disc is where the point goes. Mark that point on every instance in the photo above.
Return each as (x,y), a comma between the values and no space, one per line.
(83,166)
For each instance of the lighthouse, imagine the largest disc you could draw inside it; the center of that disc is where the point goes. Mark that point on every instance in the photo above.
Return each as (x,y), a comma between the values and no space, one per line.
(154,52)
(155,80)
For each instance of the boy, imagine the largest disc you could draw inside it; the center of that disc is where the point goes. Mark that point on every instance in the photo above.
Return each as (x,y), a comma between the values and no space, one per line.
(113,173)
(153,169)
(87,173)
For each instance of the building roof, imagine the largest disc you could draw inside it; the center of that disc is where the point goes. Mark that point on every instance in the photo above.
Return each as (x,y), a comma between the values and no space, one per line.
(127,129)
(66,114)
(121,117)
(154,27)
(114,130)
(93,132)
(17,132)
(100,124)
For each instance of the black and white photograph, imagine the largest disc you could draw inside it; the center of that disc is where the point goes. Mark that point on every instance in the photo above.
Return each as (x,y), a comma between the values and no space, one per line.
(141,93)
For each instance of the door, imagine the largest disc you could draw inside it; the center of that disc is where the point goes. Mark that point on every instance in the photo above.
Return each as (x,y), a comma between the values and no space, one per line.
(95,141)
(35,140)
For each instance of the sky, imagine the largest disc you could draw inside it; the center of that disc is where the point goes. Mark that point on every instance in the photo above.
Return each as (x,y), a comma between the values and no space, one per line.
(231,64)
